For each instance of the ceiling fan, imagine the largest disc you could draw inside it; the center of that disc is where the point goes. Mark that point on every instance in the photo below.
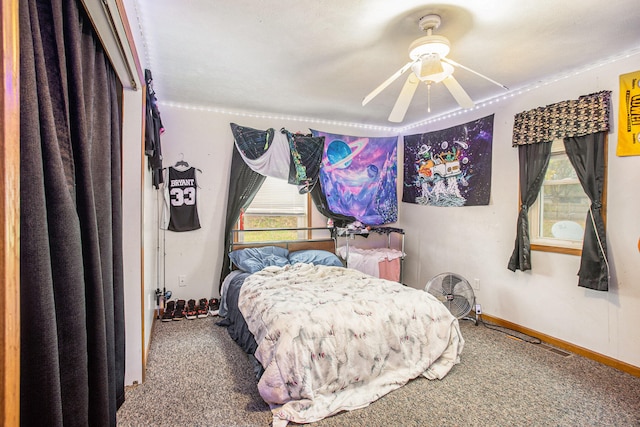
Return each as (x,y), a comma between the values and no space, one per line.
(429,64)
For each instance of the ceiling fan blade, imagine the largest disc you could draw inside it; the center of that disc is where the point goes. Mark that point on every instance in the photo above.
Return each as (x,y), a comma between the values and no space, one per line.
(387,82)
(404,99)
(455,64)
(458,92)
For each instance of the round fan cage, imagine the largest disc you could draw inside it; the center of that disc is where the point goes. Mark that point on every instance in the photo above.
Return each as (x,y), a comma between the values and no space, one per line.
(454,291)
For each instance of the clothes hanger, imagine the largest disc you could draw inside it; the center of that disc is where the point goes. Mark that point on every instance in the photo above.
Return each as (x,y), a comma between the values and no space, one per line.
(181,162)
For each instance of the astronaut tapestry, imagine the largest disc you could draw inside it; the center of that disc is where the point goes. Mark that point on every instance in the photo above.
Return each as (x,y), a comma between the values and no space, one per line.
(358,176)
(449,167)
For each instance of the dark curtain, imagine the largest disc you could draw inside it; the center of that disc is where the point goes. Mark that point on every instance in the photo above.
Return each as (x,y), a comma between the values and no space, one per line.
(586,154)
(72,319)
(244,184)
(534,159)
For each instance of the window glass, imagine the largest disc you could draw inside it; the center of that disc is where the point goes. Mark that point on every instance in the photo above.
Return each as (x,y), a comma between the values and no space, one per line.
(559,214)
(277,205)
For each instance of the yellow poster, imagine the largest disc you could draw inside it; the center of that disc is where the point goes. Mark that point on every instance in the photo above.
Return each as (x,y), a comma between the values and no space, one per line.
(629,115)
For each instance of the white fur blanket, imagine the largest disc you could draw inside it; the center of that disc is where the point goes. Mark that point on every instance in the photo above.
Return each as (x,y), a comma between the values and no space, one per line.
(334,339)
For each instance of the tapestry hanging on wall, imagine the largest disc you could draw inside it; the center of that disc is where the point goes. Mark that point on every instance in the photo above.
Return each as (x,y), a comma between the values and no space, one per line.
(358,176)
(449,167)
(629,115)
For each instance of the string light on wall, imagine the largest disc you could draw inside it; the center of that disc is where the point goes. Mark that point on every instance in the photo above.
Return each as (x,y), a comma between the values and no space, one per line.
(267,116)
(145,44)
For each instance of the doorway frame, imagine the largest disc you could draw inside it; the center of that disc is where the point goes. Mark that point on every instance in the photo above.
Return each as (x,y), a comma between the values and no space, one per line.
(10,212)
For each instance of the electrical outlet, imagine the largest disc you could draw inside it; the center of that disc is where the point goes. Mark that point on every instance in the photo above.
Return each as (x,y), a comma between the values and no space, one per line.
(476,284)
(478,309)
(182,280)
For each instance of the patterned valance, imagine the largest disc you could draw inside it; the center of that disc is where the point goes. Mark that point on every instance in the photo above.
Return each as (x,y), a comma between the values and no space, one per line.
(586,115)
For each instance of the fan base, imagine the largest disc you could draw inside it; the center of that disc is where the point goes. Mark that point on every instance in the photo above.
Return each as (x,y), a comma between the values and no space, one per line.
(429,22)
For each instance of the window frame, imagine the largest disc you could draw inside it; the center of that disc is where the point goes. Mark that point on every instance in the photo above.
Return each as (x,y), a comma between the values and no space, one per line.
(548,245)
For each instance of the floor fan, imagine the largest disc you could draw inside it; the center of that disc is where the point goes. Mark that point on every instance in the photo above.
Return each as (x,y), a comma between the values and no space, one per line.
(456,293)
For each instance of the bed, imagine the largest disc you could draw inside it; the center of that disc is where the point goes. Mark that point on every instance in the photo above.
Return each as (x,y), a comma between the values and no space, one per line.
(326,338)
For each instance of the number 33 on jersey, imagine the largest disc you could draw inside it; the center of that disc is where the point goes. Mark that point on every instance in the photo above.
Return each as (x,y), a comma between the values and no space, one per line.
(183,210)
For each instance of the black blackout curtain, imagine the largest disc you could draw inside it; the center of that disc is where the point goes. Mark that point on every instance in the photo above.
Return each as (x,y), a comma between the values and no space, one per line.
(533,160)
(72,319)
(587,156)
(244,184)
(582,124)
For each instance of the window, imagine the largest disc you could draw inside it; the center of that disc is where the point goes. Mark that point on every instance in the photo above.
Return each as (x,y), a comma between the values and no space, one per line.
(277,205)
(557,218)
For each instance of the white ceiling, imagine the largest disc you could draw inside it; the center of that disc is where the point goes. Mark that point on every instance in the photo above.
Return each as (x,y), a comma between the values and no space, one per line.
(320,58)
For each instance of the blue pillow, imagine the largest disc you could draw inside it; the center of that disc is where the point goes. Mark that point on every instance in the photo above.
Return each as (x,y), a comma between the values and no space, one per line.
(315,257)
(253,260)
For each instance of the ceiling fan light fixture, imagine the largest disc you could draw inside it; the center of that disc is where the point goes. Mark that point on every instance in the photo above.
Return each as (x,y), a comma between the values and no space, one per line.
(430,69)
(429,45)
(428,64)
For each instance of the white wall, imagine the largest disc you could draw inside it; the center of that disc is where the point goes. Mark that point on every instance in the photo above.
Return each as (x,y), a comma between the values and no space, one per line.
(474,241)
(140,225)
(140,222)
(205,141)
(150,263)
(132,231)
(477,241)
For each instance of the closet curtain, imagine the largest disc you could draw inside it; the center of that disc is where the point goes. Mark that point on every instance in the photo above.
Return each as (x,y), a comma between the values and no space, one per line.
(586,154)
(71,302)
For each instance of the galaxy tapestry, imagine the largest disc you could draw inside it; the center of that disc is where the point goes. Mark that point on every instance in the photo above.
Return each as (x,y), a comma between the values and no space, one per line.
(358,176)
(450,167)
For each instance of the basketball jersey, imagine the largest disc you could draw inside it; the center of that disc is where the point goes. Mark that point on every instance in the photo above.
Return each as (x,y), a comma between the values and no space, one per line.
(183,211)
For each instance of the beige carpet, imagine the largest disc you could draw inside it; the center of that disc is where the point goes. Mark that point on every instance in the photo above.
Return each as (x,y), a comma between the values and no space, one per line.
(197,376)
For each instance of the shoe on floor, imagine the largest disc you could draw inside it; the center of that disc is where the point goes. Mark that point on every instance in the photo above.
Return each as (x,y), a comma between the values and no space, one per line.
(191,312)
(203,308)
(167,316)
(179,312)
(214,306)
